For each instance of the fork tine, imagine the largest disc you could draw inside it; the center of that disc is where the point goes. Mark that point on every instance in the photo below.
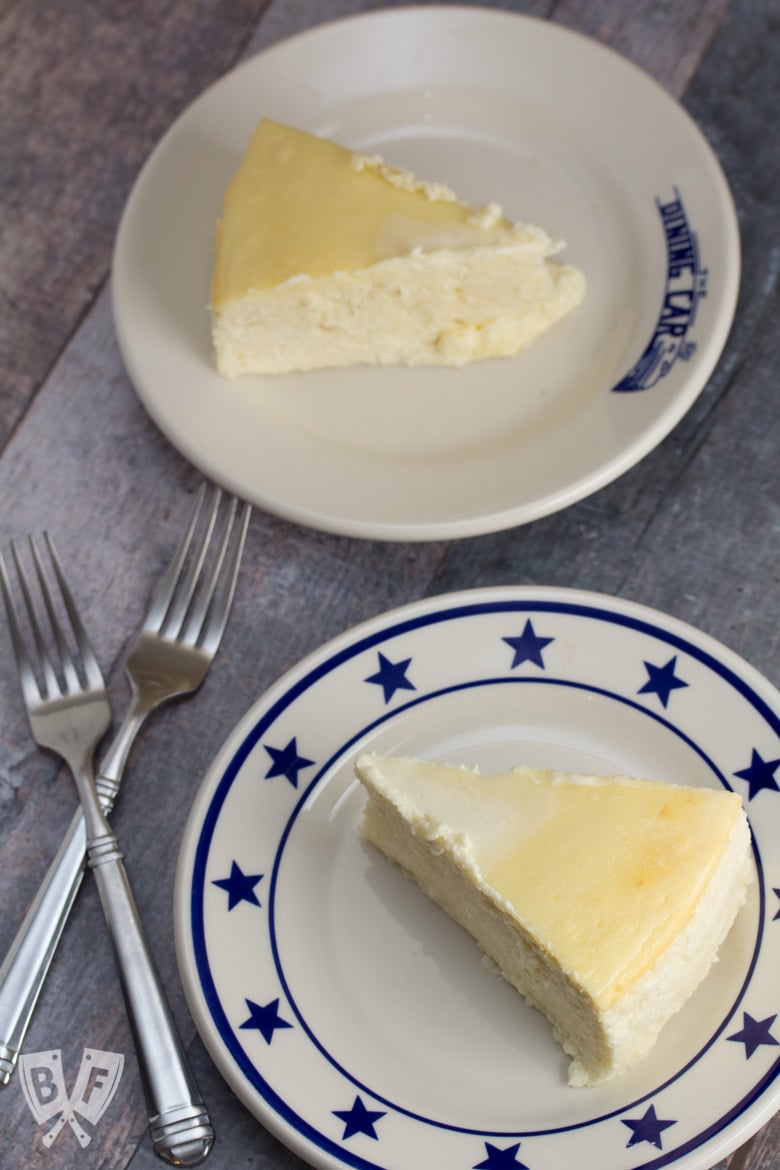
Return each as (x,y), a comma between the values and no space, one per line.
(184,594)
(30,688)
(218,585)
(163,594)
(199,608)
(223,597)
(92,671)
(67,665)
(51,683)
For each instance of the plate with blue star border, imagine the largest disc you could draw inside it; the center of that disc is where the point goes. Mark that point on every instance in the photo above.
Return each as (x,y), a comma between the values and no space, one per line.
(562,132)
(350,1015)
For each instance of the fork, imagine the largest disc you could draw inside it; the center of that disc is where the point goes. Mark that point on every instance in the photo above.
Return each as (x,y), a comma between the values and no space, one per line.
(166,660)
(170,657)
(69,712)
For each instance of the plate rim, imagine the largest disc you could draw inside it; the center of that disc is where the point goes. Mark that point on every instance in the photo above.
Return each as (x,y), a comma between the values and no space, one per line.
(736,670)
(489,518)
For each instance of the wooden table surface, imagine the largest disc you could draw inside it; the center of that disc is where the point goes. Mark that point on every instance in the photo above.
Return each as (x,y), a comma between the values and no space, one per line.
(86,89)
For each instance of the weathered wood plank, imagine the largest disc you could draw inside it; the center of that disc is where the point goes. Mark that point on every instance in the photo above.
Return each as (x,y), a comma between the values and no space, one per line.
(692,530)
(284,19)
(665,38)
(762,1153)
(86,89)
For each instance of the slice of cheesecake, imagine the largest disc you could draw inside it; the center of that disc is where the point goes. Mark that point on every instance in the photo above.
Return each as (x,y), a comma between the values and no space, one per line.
(329,258)
(603,900)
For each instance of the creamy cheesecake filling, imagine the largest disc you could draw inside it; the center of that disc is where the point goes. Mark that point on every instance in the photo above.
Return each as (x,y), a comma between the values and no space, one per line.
(635,1020)
(436,308)
(329,258)
(516,954)
(603,900)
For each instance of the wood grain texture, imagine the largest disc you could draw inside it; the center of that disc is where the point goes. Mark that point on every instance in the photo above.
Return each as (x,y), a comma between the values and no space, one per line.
(85,91)
(665,38)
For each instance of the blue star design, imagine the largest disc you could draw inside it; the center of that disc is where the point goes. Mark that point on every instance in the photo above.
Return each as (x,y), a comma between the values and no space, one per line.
(391,677)
(240,886)
(777,892)
(501,1159)
(759,774)
(661,681)
(647,1129)
(287,762)
(754,1034)
(358,1119)
(264,1018)
(528,647)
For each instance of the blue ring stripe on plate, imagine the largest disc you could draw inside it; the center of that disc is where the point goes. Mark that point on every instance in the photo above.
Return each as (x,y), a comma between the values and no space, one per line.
(341,751)
(474,609)
(338,658)
(712,1130)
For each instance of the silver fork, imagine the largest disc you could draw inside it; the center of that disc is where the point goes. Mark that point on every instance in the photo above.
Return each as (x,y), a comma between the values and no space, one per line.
(170,657)
(69,712)
(68,715)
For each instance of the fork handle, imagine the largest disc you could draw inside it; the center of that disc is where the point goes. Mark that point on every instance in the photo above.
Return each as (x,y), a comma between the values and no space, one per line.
(179,1124)
(26,965)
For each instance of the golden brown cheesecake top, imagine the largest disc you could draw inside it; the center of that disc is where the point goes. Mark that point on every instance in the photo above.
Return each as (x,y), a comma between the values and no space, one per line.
(605,872)
(300,205)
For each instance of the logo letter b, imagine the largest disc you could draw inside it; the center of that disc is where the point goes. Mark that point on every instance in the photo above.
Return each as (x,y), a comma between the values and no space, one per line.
(43,1083)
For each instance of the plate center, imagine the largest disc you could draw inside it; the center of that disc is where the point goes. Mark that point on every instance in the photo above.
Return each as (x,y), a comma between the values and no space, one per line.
(395,976)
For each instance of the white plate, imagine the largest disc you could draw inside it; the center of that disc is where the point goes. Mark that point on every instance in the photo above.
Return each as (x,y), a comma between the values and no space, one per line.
(350,1015)
(563,132)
